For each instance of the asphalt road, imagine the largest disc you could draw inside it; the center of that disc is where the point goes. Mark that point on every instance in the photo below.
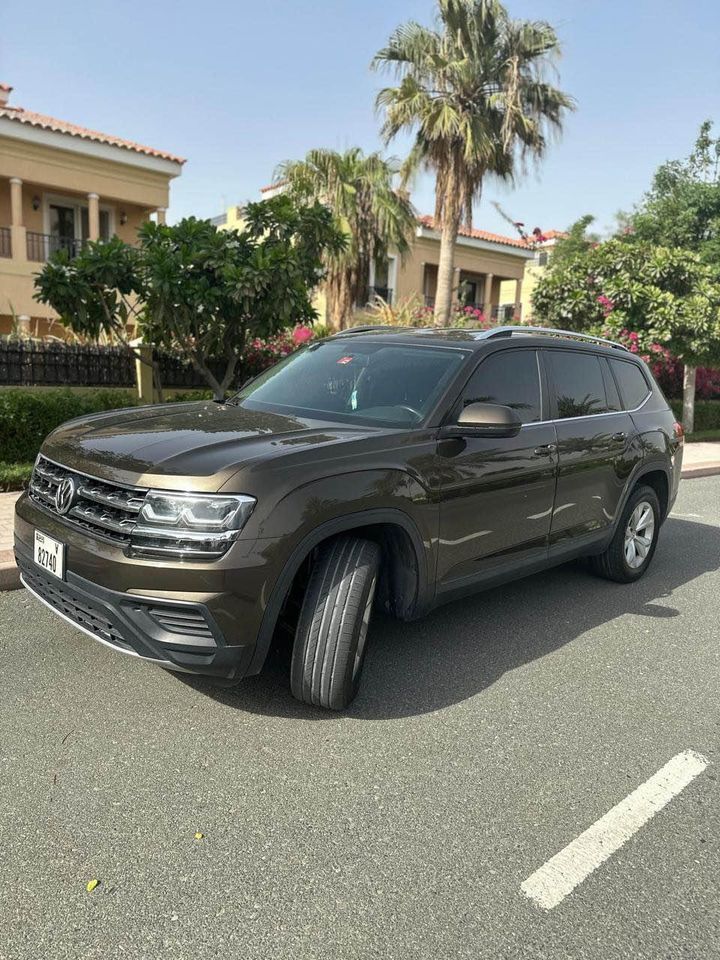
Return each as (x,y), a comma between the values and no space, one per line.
(485,739)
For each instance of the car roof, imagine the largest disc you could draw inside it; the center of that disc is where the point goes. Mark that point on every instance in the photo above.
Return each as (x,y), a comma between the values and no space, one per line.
(477,340)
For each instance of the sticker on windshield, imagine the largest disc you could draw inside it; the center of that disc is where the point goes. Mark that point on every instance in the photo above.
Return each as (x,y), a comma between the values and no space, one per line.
(345,360)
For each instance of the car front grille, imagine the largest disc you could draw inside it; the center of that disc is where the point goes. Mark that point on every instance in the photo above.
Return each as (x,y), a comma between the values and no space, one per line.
(107,510)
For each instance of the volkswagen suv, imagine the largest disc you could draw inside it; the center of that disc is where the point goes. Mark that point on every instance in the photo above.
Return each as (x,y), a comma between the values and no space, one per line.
(393,468)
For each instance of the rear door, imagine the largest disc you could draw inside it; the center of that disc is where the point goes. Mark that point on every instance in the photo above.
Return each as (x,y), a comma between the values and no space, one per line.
(497,494)
(597,447)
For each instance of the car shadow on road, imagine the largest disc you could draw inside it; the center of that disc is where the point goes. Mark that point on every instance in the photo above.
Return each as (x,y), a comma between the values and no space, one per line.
(462,648)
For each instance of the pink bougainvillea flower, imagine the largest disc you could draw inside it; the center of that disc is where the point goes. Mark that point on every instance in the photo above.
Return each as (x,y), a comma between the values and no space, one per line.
(301,334)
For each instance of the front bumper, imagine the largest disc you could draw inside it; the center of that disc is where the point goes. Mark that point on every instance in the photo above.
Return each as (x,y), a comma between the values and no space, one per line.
(192,617)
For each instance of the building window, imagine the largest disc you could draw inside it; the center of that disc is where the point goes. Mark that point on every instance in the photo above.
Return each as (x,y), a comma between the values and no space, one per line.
(543,258)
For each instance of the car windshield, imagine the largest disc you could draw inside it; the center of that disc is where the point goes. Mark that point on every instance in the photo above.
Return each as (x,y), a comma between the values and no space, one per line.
(355,381)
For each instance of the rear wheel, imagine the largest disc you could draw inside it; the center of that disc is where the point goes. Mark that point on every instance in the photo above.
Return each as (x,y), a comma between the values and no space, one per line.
(330,640)
(632,548)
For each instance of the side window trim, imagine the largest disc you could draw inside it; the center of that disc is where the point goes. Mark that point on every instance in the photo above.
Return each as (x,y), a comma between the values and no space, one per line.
(554,412)
(648,388)
(453,411)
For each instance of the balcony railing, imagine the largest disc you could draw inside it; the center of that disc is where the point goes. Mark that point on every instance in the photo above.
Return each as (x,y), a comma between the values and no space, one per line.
(5,242)
(40,246)
(385,293)
(506,312)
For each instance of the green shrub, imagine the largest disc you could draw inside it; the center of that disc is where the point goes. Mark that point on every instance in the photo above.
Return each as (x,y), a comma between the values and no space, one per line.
(14,476)
(707,414)
(27,416)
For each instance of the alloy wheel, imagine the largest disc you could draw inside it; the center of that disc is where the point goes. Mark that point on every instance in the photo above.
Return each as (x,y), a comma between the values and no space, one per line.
(639,535)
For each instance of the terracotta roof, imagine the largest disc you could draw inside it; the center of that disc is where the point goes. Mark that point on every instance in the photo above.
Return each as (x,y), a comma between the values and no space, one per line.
(554,234)
(62,126)
(429,222)
(273,186)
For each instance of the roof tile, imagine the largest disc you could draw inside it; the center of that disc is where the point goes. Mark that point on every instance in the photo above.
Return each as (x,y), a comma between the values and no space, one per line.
(44,122)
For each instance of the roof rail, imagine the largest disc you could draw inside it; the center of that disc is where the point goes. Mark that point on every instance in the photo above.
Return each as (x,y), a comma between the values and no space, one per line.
(364,329)
(550,332)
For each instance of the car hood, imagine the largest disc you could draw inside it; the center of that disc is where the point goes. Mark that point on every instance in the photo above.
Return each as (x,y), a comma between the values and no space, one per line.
(170,444)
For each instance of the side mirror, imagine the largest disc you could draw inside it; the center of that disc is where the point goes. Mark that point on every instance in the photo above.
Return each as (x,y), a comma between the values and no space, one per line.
(484,420)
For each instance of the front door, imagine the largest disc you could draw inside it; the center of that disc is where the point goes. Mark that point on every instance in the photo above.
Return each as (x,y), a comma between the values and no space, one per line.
(596,445)
(497,494)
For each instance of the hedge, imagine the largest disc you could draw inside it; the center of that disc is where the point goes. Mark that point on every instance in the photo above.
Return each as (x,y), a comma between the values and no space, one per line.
(707,413)
(28,416)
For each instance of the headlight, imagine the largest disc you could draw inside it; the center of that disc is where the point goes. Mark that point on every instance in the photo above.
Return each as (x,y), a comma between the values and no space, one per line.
(193,525)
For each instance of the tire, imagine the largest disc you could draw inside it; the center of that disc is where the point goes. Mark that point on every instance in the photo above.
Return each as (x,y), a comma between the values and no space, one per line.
(617,562)
(330,640)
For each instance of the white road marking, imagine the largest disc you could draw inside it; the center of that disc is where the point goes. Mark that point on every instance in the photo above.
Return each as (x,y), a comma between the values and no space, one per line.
(559,876)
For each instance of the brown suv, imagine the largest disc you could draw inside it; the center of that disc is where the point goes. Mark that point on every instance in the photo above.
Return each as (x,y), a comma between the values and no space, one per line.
(387,466)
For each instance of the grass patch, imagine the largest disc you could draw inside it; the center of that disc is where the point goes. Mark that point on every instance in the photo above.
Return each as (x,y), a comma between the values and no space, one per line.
(700,436)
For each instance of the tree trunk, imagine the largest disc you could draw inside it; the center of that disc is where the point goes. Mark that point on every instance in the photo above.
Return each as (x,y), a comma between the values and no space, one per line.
(688,414)
(445,291)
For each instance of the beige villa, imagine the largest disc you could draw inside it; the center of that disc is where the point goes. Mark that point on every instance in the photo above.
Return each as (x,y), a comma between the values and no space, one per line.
(60,185)
(489,268)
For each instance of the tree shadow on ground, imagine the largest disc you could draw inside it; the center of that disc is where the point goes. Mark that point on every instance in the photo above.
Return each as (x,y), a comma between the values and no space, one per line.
(462,648)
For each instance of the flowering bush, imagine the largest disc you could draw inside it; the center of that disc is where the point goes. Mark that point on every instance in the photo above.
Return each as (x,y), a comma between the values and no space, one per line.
(263,353)
(667,369)
(410,312)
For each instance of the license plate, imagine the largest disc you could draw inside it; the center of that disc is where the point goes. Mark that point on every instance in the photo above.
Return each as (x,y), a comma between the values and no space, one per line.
(50,554)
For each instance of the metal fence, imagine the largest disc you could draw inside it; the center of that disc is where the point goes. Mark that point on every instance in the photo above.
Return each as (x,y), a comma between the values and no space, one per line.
(30,363)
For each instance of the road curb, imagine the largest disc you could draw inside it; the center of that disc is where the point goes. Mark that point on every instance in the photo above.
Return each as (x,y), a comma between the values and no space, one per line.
(9,573)
(708,469)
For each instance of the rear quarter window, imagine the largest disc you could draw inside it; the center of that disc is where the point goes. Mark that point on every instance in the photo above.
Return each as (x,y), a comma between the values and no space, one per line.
(631,382)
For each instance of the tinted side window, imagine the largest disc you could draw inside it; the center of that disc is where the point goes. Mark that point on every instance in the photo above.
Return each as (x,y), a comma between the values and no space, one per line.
(579,386)
(632,383)
(510,378)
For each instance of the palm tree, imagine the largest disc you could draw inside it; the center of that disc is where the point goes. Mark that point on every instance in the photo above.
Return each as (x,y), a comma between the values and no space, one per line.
(474,93)
(373,215)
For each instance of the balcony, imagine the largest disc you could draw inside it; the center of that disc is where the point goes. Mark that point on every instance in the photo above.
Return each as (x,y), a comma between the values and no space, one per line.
(40,246)
(5,242)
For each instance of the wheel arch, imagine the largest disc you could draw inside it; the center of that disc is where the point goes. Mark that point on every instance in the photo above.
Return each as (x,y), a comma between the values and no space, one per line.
(405,584)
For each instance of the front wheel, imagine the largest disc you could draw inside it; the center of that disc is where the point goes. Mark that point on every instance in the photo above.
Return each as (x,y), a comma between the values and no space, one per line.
(633,545)
(329,648)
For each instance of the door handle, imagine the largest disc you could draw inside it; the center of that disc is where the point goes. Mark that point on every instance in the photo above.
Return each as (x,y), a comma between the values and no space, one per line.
(544,449)
(619,437)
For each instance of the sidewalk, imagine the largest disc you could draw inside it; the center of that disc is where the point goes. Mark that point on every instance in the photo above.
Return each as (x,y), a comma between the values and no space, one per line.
(699,460)
(9,577)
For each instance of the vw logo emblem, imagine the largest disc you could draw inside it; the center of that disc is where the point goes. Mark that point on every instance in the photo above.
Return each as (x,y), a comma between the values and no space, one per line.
(65,495)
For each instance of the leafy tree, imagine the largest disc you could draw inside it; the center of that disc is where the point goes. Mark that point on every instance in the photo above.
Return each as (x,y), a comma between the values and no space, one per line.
(98,293)
(668,297)
(199,291)
(374,217)
(577,240)
(474,93)
(682,208)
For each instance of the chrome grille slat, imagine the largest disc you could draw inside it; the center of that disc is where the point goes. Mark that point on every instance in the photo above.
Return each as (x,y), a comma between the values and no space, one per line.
(124,500)
(105,509)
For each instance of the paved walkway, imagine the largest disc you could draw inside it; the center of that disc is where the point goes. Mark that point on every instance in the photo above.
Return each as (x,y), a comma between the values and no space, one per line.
(700,459)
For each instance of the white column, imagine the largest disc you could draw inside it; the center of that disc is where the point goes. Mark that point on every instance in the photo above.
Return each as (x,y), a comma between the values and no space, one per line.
(488,295)
(18,235)
(518,298)
(93,216)
(161,214)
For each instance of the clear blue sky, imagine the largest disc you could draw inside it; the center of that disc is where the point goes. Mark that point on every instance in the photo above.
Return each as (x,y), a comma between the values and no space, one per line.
(237,86)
